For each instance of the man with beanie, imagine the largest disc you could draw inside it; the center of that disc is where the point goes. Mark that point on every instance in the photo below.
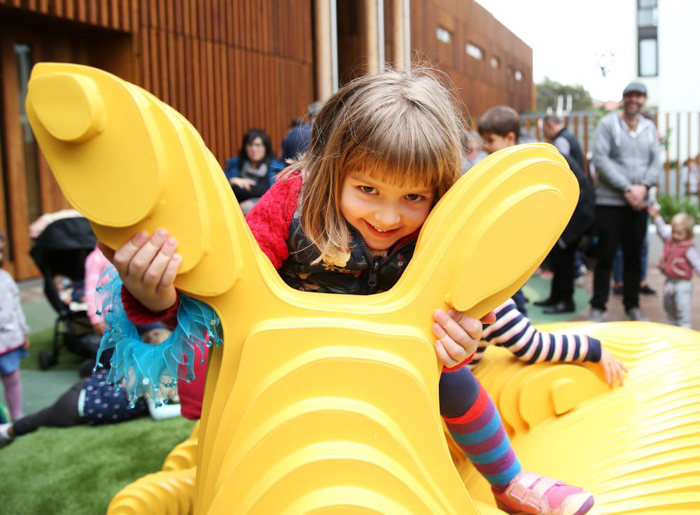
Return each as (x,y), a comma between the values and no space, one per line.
(626,158)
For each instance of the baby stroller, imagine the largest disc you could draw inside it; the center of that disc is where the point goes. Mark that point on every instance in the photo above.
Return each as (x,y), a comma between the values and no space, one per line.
(59,253)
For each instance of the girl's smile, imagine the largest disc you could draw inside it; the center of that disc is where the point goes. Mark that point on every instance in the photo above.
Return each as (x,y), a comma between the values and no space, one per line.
(382,212)
(382,233)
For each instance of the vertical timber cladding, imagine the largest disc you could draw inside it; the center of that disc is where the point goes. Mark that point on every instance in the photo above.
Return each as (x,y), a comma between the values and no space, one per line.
(503,73)
(226,65)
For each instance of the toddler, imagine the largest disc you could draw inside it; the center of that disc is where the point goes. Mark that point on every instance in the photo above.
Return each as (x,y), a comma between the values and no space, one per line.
(679,259)
(14,337)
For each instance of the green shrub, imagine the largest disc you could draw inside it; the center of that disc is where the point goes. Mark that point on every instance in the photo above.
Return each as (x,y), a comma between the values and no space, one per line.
(671,206)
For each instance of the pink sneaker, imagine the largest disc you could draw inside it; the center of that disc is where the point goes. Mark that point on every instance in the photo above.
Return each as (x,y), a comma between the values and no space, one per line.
(538,495)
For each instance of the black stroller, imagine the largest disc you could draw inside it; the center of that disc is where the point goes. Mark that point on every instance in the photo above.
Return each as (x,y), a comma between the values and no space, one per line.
(59,253)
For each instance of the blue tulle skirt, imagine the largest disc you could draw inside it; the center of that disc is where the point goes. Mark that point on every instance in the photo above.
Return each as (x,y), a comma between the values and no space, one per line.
(151,369)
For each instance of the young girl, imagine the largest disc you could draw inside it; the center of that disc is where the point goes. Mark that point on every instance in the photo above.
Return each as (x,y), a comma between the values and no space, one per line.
(679,260)
(93,401)
(345,219)
(14,337)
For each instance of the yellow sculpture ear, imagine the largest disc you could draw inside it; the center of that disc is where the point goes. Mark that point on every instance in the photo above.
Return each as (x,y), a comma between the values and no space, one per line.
(79,97)
(493,228)
(503,230)
(106,143)
(97,142)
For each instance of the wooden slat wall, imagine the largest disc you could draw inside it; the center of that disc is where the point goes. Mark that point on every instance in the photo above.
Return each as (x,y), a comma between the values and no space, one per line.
(480,86)
(241,64)
(226,65)
(113,14)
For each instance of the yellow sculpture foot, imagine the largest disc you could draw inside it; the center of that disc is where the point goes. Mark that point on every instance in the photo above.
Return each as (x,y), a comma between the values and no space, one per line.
(162,493)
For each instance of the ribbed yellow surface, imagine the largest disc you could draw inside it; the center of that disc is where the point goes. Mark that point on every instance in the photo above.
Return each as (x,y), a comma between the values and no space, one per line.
(637,448)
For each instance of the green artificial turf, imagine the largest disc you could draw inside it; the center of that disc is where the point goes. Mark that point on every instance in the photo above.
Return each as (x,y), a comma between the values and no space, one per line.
(78,470)
(43,341)
(537,288)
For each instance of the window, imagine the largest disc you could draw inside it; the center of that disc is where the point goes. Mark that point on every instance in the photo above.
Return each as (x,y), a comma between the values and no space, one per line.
(647,38)
(648,65)
(648,18)
(518,75)
(444,35)
(647,13)
(474,51)
(495,62)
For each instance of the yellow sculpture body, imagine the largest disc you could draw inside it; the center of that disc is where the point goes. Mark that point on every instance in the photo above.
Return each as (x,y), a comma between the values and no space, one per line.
(320,403)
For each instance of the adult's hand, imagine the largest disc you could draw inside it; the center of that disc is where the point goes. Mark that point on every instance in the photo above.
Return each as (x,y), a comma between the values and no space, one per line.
(242,182)
(635,196)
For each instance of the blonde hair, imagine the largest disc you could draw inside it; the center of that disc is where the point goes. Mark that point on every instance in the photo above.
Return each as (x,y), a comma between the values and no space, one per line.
(399,127)
(685,222)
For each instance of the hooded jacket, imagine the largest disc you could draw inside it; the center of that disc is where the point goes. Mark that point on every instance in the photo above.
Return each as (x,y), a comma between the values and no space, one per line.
(623,158)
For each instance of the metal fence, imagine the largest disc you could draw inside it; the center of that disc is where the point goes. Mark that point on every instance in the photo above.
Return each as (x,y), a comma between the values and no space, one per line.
(678,133)
(581,125)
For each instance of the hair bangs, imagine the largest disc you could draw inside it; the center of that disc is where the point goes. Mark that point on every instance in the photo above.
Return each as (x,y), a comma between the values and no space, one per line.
(411,148)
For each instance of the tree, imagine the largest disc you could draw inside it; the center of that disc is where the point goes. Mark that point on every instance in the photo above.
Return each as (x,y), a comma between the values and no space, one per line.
(549,91)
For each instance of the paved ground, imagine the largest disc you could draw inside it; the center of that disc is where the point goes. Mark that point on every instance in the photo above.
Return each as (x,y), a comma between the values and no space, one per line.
(651,305)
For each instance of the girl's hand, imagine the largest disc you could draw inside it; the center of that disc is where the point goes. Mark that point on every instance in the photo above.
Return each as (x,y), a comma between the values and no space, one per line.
(148,267)
(457,336)
(613,368)
(242,182)
(653,210)
(27,342)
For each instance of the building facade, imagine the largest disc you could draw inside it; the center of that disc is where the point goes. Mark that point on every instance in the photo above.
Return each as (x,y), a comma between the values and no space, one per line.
(230,65)
(665,31)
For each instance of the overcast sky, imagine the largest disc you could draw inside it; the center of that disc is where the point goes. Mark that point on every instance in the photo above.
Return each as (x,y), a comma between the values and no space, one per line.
(568,38)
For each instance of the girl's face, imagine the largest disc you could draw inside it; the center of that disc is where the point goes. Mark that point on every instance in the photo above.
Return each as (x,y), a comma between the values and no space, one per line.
(384,213)
(255,150)
(678,233)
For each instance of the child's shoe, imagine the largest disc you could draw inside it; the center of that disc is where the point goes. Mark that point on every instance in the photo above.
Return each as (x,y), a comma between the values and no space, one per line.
(5,438)
(538,495)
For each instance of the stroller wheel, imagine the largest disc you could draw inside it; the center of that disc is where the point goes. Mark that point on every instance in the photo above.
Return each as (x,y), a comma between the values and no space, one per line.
(46,360)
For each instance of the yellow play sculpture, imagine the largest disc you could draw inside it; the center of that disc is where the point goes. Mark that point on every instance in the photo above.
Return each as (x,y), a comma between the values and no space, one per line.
(320,403)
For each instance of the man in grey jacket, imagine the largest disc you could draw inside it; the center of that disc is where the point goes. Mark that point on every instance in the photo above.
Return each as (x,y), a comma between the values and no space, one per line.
(626,158)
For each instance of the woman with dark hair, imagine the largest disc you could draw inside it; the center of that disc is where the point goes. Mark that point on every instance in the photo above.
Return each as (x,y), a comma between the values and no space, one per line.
(253,171)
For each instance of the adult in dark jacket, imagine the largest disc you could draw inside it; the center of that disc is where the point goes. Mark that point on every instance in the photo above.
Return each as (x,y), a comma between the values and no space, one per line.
(556,132)
(253,171)
(299,135)
(561,296)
